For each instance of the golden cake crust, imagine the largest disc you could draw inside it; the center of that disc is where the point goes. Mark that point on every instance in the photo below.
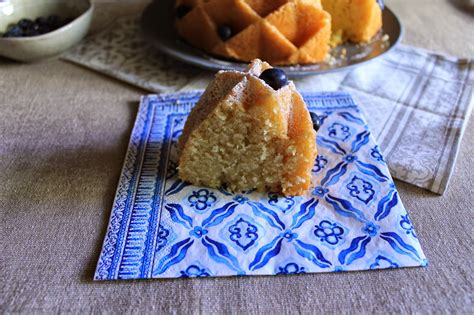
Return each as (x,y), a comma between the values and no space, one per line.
(354,20)
(283,32)
(245,135)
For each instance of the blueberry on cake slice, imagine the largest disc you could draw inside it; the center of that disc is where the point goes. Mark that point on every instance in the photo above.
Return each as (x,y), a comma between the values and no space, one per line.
(249,130)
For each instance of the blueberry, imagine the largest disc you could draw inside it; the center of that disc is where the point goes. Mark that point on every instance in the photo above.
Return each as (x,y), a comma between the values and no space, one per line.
(381,4)
(224,32)
(11,26)
(41,21)
(316,121)
(66,21)
(25,23)
(182,10)
(13,31)
(44,28)
(274,77)
(32,30)
(53,21)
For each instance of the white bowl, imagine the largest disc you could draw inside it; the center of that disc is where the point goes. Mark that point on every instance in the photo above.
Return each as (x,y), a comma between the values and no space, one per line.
(50,44)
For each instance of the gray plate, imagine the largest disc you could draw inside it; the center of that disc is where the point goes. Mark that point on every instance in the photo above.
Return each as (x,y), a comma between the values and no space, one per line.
(158,25)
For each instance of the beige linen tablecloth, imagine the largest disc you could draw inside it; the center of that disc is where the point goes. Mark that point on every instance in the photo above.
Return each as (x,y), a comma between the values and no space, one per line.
(63,136)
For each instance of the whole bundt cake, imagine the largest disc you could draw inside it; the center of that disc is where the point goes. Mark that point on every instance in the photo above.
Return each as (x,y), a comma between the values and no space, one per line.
(279,31)
(249,130)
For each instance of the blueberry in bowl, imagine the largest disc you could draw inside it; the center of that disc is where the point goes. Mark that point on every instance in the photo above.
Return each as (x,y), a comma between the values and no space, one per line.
(40,26)
(35,30)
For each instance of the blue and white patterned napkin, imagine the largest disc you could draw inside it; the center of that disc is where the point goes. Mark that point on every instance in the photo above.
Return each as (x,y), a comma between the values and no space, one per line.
(352,218)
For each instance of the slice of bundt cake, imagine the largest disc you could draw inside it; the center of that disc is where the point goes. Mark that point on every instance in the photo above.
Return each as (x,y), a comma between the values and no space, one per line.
(354,20)
(249,131)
